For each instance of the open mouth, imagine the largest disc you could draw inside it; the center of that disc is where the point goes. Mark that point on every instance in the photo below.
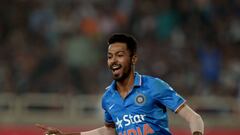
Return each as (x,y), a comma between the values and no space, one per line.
(116,68)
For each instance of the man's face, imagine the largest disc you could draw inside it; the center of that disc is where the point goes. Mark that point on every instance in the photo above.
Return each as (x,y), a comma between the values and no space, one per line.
(119,61)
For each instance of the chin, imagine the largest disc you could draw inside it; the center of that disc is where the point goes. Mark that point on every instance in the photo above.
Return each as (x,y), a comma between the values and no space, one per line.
(120,77)
(117,77)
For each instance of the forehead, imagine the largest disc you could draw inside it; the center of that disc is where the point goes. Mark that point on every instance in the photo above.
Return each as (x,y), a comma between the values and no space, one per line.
(116,47)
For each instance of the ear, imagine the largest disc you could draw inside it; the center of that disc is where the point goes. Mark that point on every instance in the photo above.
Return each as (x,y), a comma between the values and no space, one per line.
(134,59)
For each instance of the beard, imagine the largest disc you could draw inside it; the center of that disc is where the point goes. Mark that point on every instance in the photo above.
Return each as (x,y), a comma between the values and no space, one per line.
(122,76)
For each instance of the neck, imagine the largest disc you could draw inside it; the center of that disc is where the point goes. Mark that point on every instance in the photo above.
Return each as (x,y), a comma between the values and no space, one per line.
(126,84)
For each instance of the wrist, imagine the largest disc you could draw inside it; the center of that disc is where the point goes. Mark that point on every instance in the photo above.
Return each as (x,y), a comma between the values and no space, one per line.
(197,133)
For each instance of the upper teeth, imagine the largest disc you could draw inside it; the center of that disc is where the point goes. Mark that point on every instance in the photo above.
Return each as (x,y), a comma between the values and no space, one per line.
(115,66)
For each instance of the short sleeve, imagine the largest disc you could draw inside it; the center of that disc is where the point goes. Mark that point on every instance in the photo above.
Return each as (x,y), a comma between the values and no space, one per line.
(166,95)
(107,117)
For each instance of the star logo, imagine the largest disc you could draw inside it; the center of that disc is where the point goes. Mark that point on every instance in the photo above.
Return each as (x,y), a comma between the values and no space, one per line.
(119,123)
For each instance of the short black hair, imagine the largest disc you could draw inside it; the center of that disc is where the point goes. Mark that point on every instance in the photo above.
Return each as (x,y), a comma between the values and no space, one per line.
(130,41)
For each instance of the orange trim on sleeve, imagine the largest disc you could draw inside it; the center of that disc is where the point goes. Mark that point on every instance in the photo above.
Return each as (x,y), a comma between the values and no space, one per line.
(180,107)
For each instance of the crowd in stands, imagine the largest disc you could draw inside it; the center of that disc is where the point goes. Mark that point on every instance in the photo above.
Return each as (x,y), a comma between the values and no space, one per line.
(60,46)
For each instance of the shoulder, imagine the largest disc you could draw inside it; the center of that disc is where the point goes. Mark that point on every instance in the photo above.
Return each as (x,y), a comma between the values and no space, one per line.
(108,92)
(157,86)
(107,95)
(152,82)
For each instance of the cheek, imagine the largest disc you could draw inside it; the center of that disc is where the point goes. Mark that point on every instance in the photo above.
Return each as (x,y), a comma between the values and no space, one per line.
(108,63)
(127,63)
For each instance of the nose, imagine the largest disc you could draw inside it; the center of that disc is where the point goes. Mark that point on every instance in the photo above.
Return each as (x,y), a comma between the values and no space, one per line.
(113,59)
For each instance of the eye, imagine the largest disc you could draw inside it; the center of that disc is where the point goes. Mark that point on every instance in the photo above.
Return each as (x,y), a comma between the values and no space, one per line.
(120,55)
(109,56)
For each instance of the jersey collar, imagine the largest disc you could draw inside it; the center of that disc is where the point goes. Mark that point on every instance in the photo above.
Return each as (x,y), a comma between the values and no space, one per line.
(137,82)
(137,79)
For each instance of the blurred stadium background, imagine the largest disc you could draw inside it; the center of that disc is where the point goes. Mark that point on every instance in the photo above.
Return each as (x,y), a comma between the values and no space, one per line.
(53,59)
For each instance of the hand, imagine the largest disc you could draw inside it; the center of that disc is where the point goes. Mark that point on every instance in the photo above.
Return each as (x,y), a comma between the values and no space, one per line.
(197,133)
(49,130)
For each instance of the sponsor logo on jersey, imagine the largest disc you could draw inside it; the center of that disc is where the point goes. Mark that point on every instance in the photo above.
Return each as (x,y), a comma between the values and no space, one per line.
(129,119)
(145,130)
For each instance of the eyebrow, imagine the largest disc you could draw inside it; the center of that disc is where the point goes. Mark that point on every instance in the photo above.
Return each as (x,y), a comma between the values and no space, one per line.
(117,52)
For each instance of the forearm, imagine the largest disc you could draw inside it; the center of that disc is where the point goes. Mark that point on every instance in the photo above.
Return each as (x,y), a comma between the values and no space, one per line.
(195,121)
(196,125)
(100,131)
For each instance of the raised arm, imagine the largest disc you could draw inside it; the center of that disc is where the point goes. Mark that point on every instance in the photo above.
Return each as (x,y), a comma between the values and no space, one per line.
(195,120)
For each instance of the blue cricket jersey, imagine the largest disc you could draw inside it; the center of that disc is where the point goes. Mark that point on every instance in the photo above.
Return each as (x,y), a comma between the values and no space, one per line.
(144,110)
